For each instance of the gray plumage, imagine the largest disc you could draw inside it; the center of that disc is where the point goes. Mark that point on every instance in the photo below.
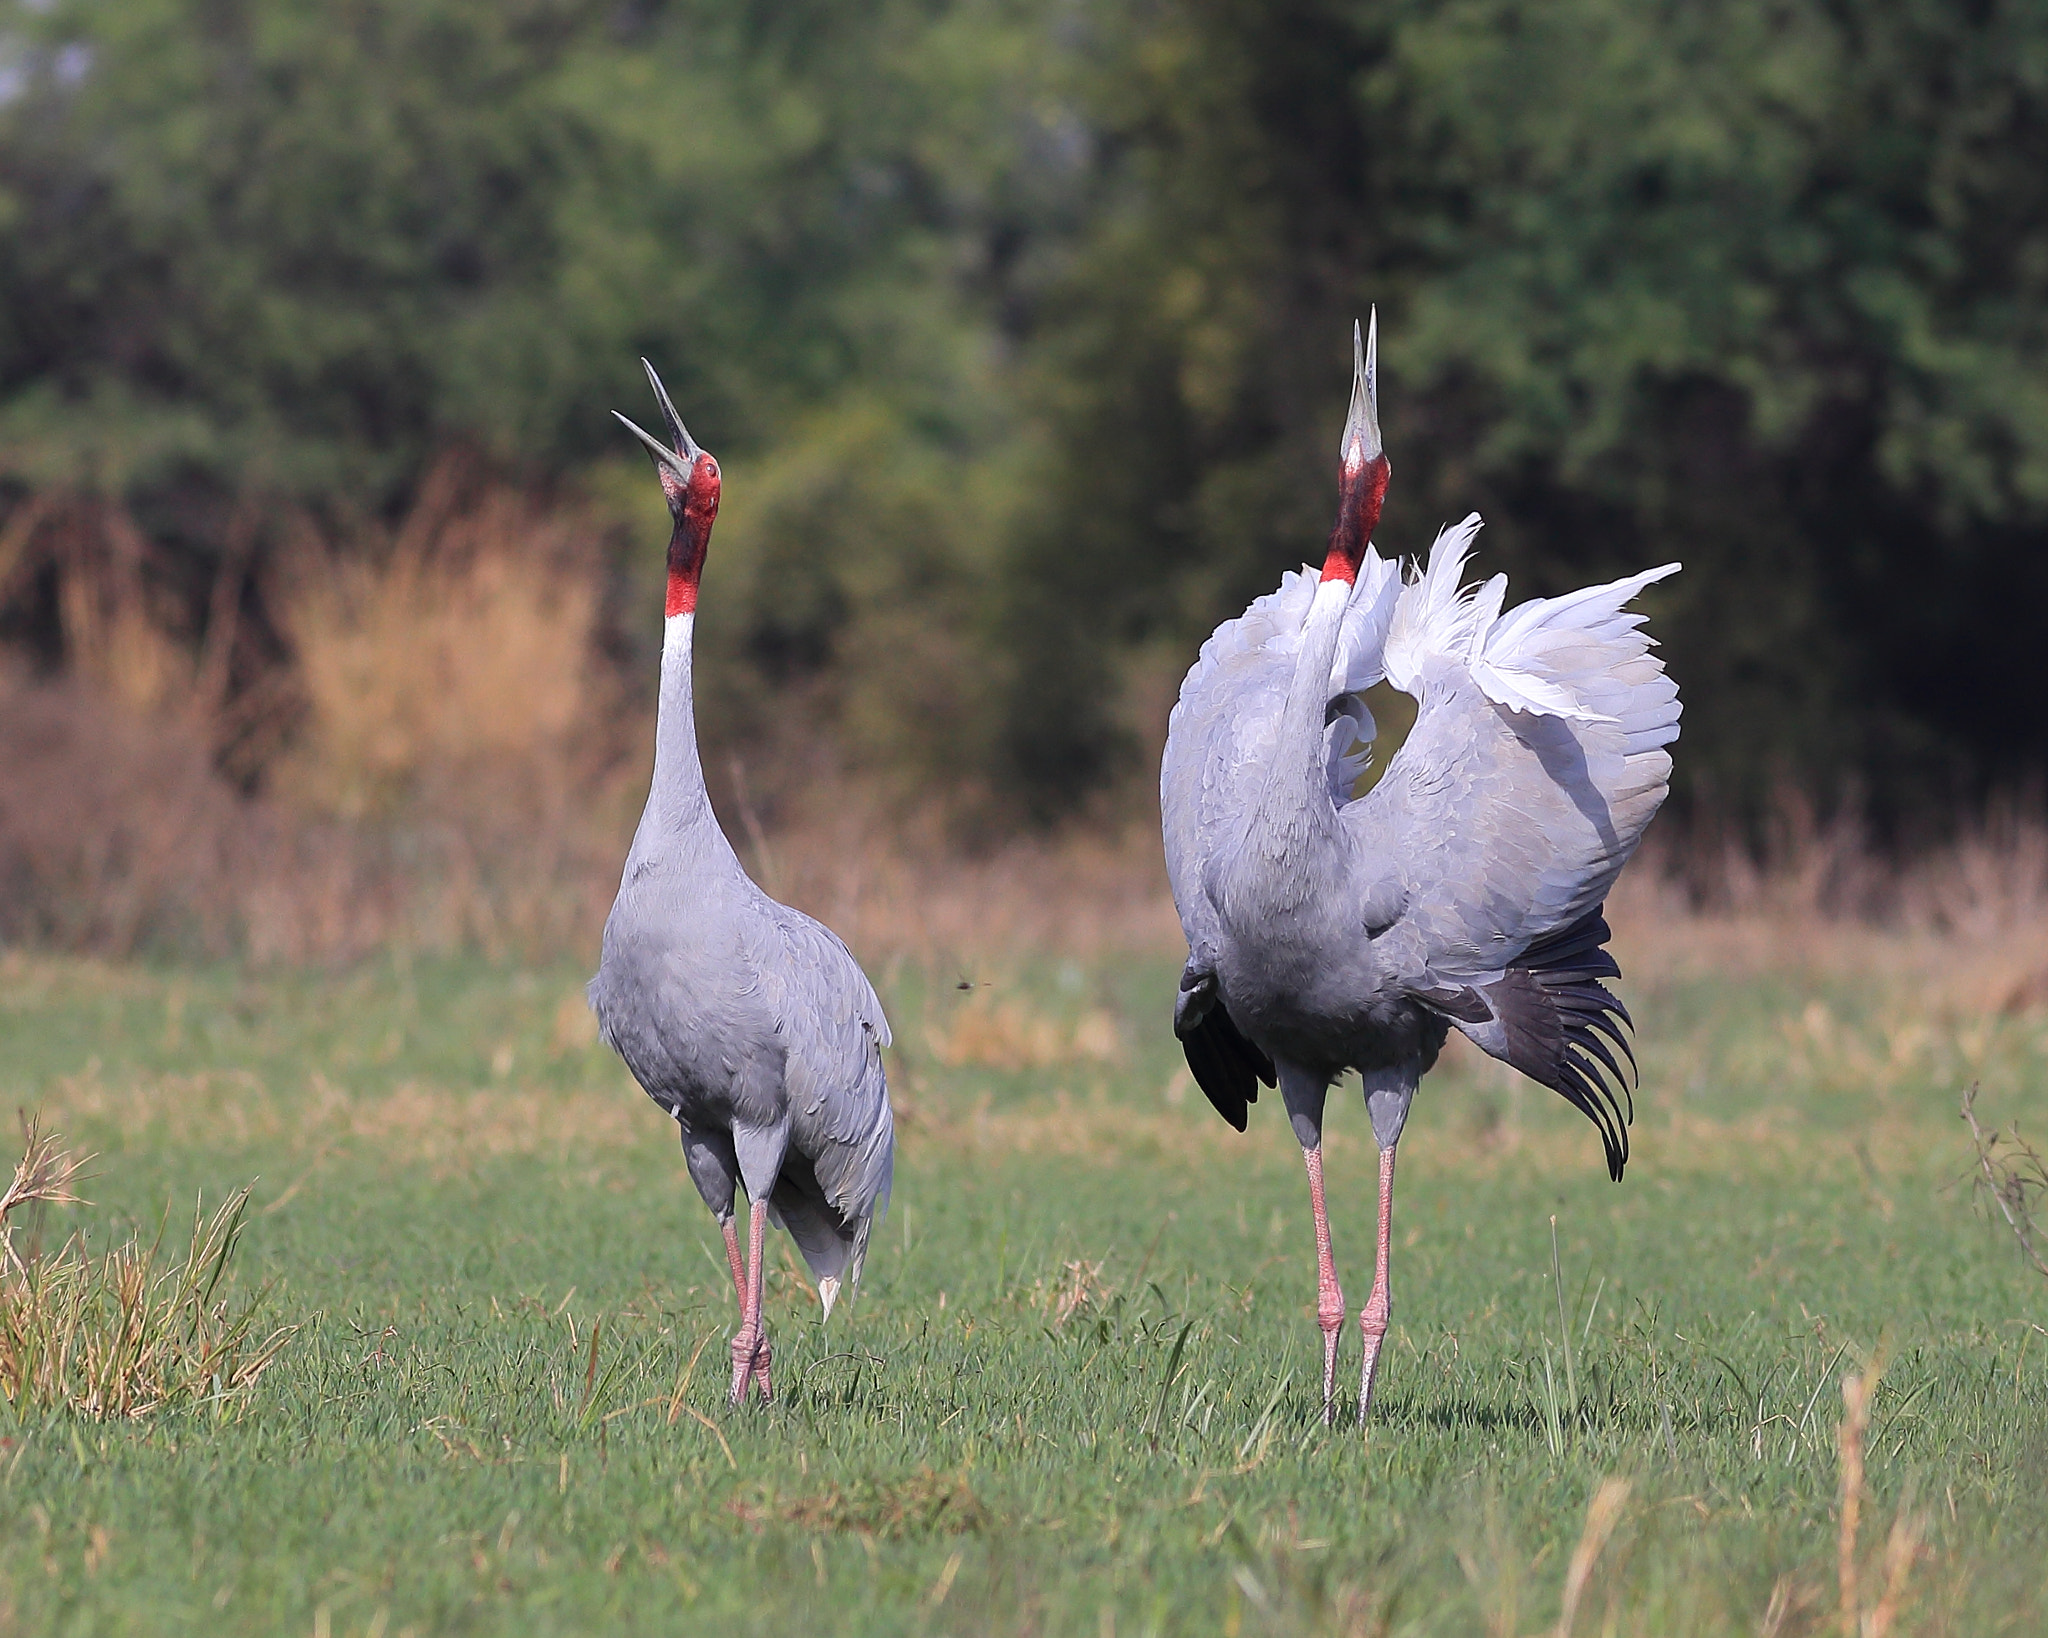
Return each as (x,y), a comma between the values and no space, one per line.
(746,1021)
(754,1028)
(1353,934)
(1463,890)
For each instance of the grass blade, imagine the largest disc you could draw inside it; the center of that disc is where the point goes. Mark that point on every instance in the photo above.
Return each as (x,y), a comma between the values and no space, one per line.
(1564,1325)
(1172,1371)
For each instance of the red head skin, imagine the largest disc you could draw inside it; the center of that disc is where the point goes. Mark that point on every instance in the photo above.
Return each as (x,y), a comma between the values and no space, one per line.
(694,506)
(1361,492)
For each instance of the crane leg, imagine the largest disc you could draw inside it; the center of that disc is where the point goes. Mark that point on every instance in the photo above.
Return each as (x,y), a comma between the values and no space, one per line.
(1379,1307)
(739,1268)
(739,1286)
(1329,1294)
(750,1343)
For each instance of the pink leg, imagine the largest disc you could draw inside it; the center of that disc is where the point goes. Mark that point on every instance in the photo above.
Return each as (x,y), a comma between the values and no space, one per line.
(1372,1319)
(739,1269)
(750,1344)
(1329,1295)
(739,1286)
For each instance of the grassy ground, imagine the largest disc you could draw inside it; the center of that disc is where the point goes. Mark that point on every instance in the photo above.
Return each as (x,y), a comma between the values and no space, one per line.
(1079,1392)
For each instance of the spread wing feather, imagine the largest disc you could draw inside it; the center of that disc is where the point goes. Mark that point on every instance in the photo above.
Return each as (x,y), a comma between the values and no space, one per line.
(1509,820)
(1537,759)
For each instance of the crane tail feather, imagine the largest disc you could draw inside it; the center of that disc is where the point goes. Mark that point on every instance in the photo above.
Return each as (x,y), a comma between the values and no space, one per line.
(1230,1092)
(1226,1066)
(1562,1027)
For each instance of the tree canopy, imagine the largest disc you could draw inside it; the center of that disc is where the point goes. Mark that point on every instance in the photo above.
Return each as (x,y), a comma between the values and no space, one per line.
(1025,325)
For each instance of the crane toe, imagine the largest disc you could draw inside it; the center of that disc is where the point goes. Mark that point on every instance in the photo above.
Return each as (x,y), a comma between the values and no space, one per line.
(751,1359)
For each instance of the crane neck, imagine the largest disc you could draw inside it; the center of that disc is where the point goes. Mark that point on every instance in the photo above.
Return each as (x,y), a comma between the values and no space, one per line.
(1308,694)
(1295,812)
(677,801)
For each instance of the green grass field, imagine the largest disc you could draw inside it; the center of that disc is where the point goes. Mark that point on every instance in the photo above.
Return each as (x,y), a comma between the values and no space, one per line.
(1079,1392)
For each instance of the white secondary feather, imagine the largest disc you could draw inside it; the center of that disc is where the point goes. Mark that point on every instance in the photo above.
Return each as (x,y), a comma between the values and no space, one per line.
(1347,747)
(1362,643)
(1583,656)
(1273,625)
(1229,703)
(1435,616)
(1361,661)
(1580,657)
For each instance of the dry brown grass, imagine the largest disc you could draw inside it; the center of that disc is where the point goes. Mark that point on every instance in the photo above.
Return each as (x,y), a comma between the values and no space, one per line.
(42,1177)
(444,1129)
(440,763)
(446,760)
(1946,989)
(113,622)
(1012,1034)
(601,1128)
(1601,1516)
(1861,1618)
(114,828)
(1078,1289)
(2011,1176)
(124,1332)
(388,827)
(464,647)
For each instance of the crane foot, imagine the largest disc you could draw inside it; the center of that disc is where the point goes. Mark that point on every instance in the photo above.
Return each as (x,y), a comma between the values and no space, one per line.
(750,1359)
(1373,1329)
(1333,1331)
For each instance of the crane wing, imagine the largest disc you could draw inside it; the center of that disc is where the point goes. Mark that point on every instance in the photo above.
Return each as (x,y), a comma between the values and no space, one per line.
(1219,741)
(1537,758)
(833,1031)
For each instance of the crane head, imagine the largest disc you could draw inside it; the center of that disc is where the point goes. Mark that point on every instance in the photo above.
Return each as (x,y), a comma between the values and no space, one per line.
(690,481)
(1363,468)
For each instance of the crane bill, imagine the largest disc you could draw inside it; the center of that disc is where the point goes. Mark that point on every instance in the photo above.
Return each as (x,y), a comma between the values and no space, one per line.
(663,455)
(1362,423)
(686,446)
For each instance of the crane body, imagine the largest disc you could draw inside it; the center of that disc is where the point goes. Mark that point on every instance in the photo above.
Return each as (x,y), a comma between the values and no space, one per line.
(747,1022)
(1464,890)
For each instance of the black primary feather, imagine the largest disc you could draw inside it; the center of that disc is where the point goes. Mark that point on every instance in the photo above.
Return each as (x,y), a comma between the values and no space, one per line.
(1226,1066)
(1563,1026)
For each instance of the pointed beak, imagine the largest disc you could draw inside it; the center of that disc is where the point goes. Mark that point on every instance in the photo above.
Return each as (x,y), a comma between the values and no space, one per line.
(683,456)
(679,435)
(1362,426)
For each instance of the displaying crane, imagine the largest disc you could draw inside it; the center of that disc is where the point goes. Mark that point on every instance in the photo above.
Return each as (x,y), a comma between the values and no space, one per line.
(1463,890)
(747,1021)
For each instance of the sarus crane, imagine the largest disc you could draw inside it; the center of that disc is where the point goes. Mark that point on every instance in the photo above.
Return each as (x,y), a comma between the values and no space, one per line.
(1464,889)
(747,1021)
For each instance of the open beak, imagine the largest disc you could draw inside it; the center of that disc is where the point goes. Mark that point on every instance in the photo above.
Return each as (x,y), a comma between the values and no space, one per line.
(683,456)
(1362,426)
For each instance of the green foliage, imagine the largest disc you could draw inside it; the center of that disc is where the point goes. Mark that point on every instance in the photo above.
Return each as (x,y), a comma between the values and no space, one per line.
(310,245)
(282,253)
(1759,287)
(1021,327)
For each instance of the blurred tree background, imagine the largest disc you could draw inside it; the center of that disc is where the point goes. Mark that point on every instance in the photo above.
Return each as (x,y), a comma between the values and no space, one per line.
(1021,328)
